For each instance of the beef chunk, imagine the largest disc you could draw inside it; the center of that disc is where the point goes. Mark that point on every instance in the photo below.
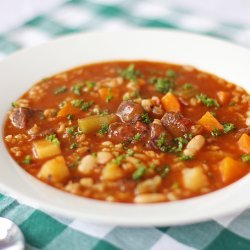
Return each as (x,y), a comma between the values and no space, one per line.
(129,111)
(176,124)
(241,132)
(24,117)
(156,130)
(120,132)
(19,117)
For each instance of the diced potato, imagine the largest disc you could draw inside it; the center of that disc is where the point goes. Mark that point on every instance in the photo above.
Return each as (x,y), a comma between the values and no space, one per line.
(44,149)
(244,143)
(55,170)
(194,178)
(94,123)
(112,172)
(231,169)
(170,103)
(68,109)
(209,122)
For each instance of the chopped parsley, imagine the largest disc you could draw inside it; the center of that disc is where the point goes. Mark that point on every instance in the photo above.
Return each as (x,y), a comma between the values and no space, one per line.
(185,158)
(53,138)
(15,104)
(207,101)
(72,130)
(109,97)
(228,127)
(119,159)
(130,73)
(60,90)
(187,86)
(76,89)
(27,159)
(161,140)
(136,138)
(130,152)
(215,132)
(245,158)
(74,145)
(69,116)
(163,85)
(86,105)
(104,129)
(171,73)
(163,171)
(90,84)
(139,172)
(77,103)
(145,118)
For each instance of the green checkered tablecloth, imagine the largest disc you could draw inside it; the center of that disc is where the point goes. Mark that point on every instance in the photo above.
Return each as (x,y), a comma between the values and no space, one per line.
(50,231)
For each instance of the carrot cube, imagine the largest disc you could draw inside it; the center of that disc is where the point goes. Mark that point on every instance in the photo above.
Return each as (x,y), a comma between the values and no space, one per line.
(68,109)
(244,143)
(209,122)
(170,103)
(231,169)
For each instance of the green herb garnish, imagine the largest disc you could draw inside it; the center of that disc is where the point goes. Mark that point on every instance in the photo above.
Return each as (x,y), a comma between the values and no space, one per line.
(228,127)
(69,117)
(76,89)
(86,105)
(130,152)
(145,118)
(215,132)
(139,172)
(15,104)
(90,84)
(185,158)
(60,90)
(74,145)
(171,73)
(136,138)
(207,101)
(130,73)
(109,97)
(104,129)
(53,138)
(27,159)
(77,103)
(187,86)
(245,158)
(119,159)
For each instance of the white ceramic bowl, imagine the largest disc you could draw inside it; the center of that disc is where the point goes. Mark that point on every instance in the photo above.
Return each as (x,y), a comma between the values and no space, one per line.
(21,70)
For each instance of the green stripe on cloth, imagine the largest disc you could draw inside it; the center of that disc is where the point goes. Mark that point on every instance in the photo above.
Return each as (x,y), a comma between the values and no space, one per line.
(40,229)
(133,238)
(197,235)
(74,240)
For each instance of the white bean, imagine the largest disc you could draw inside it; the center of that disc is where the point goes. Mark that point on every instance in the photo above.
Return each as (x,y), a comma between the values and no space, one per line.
(149,198)
(194,145)
(148,186)
(103,157)
(87,164)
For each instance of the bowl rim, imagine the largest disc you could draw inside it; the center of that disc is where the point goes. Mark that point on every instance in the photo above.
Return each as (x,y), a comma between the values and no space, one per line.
(129,213)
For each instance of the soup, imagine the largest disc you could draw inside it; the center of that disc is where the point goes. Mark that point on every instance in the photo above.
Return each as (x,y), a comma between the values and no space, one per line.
(132,131)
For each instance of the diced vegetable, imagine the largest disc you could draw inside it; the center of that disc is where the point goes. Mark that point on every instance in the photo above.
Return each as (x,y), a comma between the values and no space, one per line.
(187,91)
(209,122)
(194,178)
(112,172)
(54,170)
(244,143)
(104,92)
(170,103)
(94,123)
(44,149)
(231,169)
(223,97)
(68,109)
